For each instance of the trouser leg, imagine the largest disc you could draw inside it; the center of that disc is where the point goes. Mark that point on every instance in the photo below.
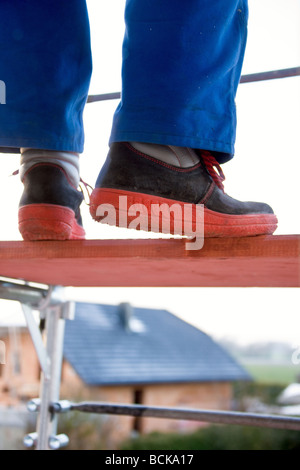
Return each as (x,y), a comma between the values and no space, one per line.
(46,67)
(181,67)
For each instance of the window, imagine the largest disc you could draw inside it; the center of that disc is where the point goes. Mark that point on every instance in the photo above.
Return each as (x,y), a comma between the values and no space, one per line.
(137,400)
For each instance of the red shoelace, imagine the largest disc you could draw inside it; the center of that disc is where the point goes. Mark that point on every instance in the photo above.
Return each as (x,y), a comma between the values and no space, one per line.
(88,189)
(213,168)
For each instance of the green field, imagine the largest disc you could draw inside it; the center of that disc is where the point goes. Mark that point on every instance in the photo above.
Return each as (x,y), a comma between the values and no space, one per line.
(277,374)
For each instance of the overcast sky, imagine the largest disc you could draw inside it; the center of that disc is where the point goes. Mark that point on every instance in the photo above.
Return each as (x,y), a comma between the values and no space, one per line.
(265,168)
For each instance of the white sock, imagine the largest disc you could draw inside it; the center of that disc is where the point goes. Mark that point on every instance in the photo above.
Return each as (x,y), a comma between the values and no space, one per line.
(69,161)
(183,157)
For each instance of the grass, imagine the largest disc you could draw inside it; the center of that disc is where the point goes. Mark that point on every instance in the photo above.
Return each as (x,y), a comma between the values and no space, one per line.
(275,374)
(219,438)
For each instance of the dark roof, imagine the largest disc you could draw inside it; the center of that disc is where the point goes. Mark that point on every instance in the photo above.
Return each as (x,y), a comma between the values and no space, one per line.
(157,348)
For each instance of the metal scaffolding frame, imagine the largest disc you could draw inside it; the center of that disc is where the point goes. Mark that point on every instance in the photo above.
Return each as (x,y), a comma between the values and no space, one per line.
(48,340)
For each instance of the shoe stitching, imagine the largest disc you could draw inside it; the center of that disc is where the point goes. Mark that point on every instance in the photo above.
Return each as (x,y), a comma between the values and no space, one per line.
(54,166)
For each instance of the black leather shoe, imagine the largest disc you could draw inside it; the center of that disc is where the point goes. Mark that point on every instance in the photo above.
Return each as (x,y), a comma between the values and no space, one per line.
(49,206)
(130,178)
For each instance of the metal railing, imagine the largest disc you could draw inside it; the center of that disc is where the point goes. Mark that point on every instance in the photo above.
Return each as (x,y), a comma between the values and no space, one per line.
(207,416)
(253,77)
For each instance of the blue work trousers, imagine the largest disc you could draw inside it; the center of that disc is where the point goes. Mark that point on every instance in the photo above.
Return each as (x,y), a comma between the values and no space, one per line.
(181,67)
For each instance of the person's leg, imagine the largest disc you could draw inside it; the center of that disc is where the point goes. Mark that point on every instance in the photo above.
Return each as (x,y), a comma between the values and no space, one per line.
(46,67)
(176,120)
(181,67)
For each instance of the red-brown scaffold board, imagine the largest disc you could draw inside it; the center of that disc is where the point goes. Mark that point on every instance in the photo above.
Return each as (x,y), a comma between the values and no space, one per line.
(263,261)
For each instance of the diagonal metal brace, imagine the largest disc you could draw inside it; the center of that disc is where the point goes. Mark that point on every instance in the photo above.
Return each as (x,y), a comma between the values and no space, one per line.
(37,340)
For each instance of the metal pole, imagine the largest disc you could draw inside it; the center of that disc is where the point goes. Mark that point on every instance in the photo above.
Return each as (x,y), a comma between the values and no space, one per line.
(209,416)
(36,297)
(22,293)
(50,386)
(37,339)
(271,75)
(253,77)
(104,97)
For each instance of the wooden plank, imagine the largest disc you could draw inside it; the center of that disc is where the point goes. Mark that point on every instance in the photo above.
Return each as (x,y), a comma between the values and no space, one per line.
(264,261)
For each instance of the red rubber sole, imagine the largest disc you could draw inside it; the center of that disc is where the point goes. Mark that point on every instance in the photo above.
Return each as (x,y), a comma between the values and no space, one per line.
(48,222)
(107,207)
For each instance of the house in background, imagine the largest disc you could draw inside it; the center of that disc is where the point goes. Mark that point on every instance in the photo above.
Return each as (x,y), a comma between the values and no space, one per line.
(144,356)
(121,354)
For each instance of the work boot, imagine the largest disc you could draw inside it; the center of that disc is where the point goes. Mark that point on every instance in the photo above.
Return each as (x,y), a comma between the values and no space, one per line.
(49,206)
(144,182)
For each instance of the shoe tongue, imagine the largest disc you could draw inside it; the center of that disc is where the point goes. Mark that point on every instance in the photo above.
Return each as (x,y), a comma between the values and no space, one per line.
(186,157)
(182,157)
